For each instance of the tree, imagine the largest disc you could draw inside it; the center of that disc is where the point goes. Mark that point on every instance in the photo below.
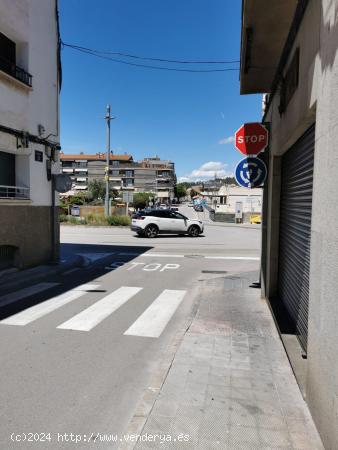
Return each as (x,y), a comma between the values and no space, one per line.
(180,190)
(230,180)
(141,199)
(97,189)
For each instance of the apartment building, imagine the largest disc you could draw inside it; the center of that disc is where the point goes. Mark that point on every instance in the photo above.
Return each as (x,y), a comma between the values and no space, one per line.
(125,174)
(30,76)
(299,39)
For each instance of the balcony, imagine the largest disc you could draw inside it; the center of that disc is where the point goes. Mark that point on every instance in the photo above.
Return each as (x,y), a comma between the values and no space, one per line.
(14,193)
(16,72)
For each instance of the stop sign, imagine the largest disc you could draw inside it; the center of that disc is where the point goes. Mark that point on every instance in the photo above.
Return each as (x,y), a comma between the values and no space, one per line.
(251,138)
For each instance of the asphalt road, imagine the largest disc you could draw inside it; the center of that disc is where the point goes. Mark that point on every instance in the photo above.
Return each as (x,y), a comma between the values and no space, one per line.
(80,349)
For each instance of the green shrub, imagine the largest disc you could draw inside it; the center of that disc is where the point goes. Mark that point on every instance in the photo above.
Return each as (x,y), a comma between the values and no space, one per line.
(118,220)
(96,220)
(77,220)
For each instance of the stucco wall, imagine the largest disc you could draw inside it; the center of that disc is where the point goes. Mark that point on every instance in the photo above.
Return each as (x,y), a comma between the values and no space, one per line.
(31,24)
(315,100)
(322,384)
(29,228)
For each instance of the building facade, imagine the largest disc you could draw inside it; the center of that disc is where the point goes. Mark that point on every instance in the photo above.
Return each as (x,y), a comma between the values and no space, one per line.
(30,75)
(300,232)
(125,174)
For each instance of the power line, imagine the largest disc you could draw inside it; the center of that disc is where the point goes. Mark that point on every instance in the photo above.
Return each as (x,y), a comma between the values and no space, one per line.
(93,53)
(128,55)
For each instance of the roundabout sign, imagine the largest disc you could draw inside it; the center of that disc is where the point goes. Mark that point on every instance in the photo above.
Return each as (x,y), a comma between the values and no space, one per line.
(251,172)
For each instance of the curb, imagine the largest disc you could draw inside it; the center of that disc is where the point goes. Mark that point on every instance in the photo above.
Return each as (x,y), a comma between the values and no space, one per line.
(40,272)
(145,405)
(228,225)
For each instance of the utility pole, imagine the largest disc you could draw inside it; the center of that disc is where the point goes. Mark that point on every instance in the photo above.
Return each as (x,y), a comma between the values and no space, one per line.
(108,118)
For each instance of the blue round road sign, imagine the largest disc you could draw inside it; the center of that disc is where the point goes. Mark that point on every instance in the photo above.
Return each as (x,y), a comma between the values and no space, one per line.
(250,172)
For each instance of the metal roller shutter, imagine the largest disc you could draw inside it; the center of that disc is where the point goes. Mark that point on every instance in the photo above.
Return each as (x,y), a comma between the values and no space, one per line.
(295,231)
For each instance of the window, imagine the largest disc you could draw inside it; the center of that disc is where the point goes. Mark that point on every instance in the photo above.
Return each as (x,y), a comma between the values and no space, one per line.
(7,169)
(115,173)
(163,174)
(82,164)
(176,215)
(8,61)
(115,163)
(7,51)
(164,214)
(290,83)
(129,173)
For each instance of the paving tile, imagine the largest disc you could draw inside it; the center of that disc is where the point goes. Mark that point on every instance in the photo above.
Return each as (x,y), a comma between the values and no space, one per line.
(165,407)
(158,425)
(301,441)
(274,438)
(219,380)
(244,436)
(234,390)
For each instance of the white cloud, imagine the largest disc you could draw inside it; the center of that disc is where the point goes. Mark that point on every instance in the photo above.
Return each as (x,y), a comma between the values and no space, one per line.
(206,172)
(227,140)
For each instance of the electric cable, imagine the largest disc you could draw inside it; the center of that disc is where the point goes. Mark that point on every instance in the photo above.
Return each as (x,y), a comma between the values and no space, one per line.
(128,55)
(147,66)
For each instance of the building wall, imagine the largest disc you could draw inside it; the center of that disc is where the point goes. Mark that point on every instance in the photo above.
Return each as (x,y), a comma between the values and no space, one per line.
(29,229)
(32,25)
(147,175)
(322,384)
(315,100)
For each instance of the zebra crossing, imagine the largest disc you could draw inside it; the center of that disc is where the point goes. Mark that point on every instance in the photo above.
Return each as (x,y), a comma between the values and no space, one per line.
(151,323)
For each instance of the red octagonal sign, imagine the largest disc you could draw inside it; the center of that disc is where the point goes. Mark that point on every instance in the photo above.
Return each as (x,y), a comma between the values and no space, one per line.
(251,138)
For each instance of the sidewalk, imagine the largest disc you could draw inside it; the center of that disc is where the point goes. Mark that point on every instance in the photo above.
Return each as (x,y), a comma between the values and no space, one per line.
(230,385)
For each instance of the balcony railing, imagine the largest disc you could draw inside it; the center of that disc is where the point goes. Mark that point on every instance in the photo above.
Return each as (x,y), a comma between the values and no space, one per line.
(16,72)
(14,192)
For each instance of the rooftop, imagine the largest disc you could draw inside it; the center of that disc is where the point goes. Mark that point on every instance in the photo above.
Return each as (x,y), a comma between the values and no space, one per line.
(94,157)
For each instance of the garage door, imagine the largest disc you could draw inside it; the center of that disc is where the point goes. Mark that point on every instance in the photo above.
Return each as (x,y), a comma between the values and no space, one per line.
(295,232)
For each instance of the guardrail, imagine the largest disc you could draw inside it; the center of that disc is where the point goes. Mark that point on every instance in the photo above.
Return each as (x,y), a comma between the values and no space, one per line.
(14,192)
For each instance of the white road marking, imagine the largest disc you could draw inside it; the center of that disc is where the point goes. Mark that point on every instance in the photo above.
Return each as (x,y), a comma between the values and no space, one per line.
(26,292)
(168,255)
(162,255)
(135,264)
(169,266)
(37,311)
(92,316)
(240,258)
(155,318)
(152,267)
(86,287)
(115,265)
(94,256)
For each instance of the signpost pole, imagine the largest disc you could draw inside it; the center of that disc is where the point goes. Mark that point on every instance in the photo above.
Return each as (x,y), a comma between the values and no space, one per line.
(108,118)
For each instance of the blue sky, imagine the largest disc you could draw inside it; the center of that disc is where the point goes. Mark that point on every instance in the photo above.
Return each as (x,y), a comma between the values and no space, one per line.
(185,117)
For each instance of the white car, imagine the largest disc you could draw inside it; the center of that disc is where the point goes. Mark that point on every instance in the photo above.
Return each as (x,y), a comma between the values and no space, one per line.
(151,223)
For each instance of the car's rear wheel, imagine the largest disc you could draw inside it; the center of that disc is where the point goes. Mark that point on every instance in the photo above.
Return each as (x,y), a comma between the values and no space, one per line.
(194,231)
(151,231)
